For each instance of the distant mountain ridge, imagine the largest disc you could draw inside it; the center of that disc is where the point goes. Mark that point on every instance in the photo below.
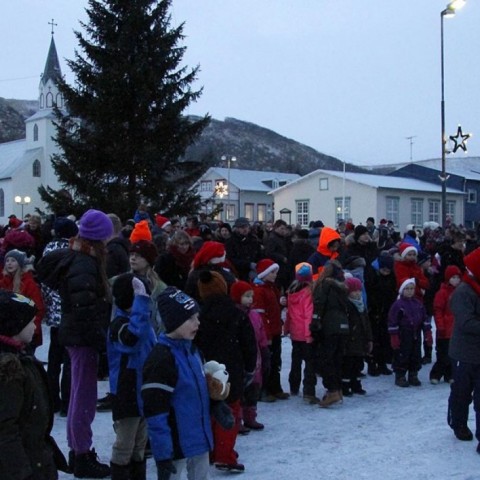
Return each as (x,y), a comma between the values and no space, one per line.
(255,147)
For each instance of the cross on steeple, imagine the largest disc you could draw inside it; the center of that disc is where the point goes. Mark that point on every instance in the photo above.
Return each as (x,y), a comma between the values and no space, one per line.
(53,24)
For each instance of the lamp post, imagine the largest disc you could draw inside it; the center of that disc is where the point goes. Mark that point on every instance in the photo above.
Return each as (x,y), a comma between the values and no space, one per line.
(228,159)
(22,201)
(447,13)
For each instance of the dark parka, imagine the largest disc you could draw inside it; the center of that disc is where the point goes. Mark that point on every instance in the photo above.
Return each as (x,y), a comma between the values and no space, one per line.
(226,335)
(360,332)
(117,257)
(242,251)
(26,418)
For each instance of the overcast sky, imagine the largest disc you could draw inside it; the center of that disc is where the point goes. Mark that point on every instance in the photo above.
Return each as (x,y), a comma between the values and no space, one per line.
(350,78)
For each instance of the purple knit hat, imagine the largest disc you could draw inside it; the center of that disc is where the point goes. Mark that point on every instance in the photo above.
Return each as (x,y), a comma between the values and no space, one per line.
(95,225)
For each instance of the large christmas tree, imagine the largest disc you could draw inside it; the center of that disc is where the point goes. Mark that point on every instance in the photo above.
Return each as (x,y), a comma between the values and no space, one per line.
(123,134)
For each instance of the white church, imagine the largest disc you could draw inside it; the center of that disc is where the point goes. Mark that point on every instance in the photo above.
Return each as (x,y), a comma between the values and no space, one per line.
(25,164)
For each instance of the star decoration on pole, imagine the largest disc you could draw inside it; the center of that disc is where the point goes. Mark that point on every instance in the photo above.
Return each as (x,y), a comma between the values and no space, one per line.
(460,139)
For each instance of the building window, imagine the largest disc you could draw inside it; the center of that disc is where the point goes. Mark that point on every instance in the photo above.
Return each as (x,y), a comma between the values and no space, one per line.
(42,98)
(230,213)
(206,186)
(471,195)
(2,203)
(392,209)
(35,133)
(249,209)
(49,99)
(323,184)
(450,210)
(261,212)
(37,168)
(342,208)
(58,100)
(434,211)
(417,211)
(302,212)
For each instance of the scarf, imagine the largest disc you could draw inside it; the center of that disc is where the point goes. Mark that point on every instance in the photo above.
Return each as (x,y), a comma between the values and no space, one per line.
(359,305)
(11,342)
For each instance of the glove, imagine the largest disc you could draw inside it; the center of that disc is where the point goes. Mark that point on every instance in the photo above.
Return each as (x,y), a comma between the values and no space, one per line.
(165,468)
(139,287)
(395,341)
(222,413)
(428,338)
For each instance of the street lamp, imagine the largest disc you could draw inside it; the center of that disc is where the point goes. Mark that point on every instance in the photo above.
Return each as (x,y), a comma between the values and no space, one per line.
(229,159)
(22,201)
(447,13)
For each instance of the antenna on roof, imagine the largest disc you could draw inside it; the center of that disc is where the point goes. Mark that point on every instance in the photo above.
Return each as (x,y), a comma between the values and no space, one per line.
(411,145)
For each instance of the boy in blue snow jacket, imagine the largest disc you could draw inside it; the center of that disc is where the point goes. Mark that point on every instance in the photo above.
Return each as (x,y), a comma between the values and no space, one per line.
(175,393)
(130,339)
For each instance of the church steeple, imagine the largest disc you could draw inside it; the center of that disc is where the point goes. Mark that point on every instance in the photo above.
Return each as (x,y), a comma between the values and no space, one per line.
(49,94)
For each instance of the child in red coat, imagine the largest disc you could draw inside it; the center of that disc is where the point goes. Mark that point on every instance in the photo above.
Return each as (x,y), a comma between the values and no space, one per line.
(444,320)
(267,303)
(407,267)
(17,277)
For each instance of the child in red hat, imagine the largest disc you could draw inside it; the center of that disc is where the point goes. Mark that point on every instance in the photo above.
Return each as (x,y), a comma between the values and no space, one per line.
(242,294)
(267,303)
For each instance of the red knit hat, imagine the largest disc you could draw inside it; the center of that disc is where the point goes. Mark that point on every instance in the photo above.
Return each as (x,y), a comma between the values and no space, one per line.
(209,253)
(405,282)
(472,262)
(353,284)
(162,222)
(141,232)
(145,249)
(265,266)
(404,248)
(238,289)
(451,271)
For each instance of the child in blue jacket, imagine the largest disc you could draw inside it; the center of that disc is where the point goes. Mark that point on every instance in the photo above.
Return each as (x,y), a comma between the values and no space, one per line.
(130,339)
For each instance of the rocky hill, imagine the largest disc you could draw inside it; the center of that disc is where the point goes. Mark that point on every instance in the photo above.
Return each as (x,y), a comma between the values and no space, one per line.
(255,147)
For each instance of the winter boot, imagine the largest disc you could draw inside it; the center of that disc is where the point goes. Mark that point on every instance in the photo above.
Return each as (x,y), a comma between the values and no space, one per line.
(463,433)
(71,460)
(372,368)
(120,472)
(346,388)
(250,418)
(243,429)
(88,466)
(138,470)
(400,380)
(413,379)
(330,398)
(311,399)
(356,386)
(230,467)
(384,370)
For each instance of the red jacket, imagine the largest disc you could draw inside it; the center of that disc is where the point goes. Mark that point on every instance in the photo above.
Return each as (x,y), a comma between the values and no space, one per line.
(407,269)
(442,314)
(266,301)
(28,288)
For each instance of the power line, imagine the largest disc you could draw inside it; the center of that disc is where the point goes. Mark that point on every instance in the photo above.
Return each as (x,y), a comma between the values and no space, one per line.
(19,78)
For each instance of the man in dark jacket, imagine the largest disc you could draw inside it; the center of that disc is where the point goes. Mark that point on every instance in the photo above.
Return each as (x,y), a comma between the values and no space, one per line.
(465,351)
(243,249)
(278,248)
(117,250)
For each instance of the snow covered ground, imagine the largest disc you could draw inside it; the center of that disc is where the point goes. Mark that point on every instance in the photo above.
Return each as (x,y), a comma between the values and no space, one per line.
(391,433)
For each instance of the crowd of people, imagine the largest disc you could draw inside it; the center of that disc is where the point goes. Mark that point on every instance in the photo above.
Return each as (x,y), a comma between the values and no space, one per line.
(186,320)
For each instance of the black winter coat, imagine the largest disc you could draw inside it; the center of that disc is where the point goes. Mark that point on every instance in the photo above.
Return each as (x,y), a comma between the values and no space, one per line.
(117,257)
(242,251)
(360,332)
(26,418)
(227,336)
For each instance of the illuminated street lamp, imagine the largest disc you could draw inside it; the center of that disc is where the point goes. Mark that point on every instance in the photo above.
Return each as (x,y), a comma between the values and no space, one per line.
(22,201)
(228,159)
(447,13)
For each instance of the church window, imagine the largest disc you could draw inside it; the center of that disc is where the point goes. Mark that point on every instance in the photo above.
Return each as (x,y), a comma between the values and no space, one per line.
(42,99)
(35,133)
(58,100)
(37,168)
(2,203)
(49,100)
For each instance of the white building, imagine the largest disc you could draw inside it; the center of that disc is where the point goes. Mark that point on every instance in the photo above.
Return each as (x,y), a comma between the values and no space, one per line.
(243,193)
(25,164)
(330,195)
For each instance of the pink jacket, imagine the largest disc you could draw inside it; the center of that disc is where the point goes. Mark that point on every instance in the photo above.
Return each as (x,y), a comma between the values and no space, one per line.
(299,315)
